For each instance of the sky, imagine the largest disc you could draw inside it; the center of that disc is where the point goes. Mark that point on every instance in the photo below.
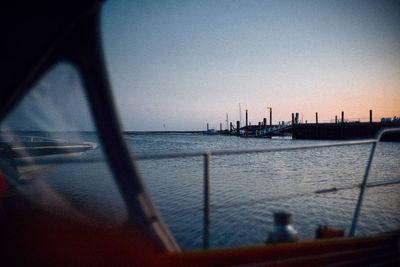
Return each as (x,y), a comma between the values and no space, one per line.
(176,65)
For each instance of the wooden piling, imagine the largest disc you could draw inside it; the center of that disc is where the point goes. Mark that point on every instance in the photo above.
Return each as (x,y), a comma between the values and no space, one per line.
(370,116)
(247,118)
(335,118)
(293,133)
(265,122)
(237,128)
(341,127)
(316,125)
(270,116)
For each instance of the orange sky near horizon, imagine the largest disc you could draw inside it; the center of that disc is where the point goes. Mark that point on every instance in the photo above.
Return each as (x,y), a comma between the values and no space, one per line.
(177,66)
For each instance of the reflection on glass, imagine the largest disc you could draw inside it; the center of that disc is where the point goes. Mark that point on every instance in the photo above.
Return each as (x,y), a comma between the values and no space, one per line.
(50,153)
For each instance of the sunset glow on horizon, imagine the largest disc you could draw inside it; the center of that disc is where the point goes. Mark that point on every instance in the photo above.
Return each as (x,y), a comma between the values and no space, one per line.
(176,65)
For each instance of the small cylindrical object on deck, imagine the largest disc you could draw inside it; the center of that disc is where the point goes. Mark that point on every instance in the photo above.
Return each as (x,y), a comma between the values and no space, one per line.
(283,231)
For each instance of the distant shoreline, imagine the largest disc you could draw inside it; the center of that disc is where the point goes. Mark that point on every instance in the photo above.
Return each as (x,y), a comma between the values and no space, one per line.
(161,132)
(124,132)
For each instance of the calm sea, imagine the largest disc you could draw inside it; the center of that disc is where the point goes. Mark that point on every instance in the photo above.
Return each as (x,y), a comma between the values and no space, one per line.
(245,189)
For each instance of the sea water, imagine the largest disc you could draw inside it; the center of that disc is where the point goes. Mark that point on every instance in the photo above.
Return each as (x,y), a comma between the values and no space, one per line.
(245,189)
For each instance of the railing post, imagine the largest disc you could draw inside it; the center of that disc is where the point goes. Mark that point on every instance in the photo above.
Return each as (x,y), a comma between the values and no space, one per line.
(362,189)
(206,214)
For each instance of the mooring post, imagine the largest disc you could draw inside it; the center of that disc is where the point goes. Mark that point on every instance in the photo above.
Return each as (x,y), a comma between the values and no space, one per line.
(293,135)
(270,116)
(247,118)
(265,122)
(370,116)
(341,127)
(206,211)
(335,118)
(207,126)
(220,126)
(316,125)
(237,128)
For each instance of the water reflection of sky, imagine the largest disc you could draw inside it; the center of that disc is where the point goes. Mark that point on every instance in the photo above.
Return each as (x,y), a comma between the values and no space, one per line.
(246,189)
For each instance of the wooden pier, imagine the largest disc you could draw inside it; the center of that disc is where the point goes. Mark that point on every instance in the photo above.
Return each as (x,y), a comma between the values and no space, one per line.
(319,131)
(340,131)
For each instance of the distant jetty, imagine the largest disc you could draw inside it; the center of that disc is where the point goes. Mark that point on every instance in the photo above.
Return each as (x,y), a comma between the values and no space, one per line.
(160,132)
(338,130)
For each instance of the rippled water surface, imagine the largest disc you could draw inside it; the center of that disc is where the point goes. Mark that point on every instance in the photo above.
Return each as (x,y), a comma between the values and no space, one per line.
(246,189)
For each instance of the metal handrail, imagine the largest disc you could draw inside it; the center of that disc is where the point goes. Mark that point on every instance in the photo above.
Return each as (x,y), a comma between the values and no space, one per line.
(364,182)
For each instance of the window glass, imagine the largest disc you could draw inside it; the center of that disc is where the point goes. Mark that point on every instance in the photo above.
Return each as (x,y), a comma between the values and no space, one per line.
(51,154)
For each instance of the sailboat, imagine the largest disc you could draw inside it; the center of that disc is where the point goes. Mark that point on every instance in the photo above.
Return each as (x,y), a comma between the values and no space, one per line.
(38,36)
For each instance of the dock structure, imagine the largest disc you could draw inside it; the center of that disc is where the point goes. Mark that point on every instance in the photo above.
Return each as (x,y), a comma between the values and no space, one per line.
(343,130)
(337,130)
(319,131)
(275,130)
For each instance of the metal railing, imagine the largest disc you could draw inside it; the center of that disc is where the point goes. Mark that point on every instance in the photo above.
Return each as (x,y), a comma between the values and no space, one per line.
(207,157)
